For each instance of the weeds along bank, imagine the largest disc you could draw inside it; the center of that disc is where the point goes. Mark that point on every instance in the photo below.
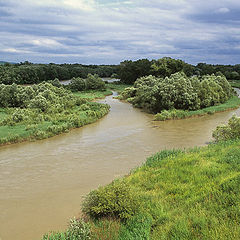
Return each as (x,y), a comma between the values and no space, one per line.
(179,96)
(43,110)
(191,194)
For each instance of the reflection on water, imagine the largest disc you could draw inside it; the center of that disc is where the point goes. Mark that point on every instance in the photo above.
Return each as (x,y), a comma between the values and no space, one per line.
(42,183)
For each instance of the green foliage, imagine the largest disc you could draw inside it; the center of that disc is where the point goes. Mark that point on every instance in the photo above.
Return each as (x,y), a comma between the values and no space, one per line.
(43,110)
(177,92)
(137,227)
(77,230)
(166,66)
(116,199)
(170,114)
(232,103)
(229,131)
(235,83)
(92,82)
(105,229)
(28,73)
(129,71)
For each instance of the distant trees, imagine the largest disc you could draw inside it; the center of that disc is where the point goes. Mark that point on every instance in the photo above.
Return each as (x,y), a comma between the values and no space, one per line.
(231,72)
(166,66)
(178,91)
(28,73)
(129,71)
(91,82)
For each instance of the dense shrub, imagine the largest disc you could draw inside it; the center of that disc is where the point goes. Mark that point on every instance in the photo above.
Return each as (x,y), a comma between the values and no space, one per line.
(178,91)
(229,131)
(77,230)
(116,199)
(91,82)
(170,114)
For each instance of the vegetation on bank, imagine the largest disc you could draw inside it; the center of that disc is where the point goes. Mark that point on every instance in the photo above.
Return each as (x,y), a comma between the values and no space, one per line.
(92,82)
(178,91)
(176,194)
(232,103)
(235,83)
(43,110)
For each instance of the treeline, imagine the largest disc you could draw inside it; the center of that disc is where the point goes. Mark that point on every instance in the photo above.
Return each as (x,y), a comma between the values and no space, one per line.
(127,71)
(28,73)
(130,71)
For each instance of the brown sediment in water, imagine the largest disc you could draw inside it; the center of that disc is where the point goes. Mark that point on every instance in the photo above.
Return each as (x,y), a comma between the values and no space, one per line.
(42,183)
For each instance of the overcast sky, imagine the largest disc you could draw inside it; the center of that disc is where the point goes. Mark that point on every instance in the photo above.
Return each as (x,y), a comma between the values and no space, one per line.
(110,31)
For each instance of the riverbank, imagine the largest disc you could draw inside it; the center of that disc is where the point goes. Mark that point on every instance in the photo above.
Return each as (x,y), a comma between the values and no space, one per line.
(176,194)
(235,83)
(231,104)
(75,117)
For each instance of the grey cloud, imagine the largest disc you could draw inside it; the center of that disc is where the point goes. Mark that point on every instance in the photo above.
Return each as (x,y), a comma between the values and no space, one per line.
(112,32)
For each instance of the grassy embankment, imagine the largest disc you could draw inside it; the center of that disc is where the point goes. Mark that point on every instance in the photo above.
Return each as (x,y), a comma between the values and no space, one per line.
(51,126)
(231,104)
(192,194)
(54,124)
(235,83)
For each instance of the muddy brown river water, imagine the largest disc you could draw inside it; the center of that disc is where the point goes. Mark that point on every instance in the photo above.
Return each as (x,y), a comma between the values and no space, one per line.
(42,183)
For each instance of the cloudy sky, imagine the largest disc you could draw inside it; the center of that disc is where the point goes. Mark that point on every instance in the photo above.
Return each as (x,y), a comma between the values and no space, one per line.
(109,31)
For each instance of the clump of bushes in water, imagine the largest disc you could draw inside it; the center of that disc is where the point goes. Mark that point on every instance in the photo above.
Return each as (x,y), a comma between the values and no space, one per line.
(92,82)
(228,131)
(178,91)
(41,111)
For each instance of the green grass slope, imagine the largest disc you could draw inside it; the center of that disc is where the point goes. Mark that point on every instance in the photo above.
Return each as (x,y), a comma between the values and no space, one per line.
(191,195)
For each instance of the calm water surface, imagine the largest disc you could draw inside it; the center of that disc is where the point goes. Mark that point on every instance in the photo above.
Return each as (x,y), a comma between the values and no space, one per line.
(42,183)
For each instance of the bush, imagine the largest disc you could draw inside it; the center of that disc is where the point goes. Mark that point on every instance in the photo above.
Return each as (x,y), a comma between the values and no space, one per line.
(77,230)
(171,114)
(229,131)
(155,94)
(91,82)
(117,199)
(77,84)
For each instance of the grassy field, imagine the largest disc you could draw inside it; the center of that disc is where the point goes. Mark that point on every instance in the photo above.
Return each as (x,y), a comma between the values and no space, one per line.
(178,195)
(232,103)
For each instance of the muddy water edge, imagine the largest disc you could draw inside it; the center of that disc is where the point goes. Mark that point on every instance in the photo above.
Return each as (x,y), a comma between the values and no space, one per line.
(42,183)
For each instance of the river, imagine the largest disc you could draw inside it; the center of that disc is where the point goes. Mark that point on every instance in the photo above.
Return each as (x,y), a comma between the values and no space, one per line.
(42,183)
